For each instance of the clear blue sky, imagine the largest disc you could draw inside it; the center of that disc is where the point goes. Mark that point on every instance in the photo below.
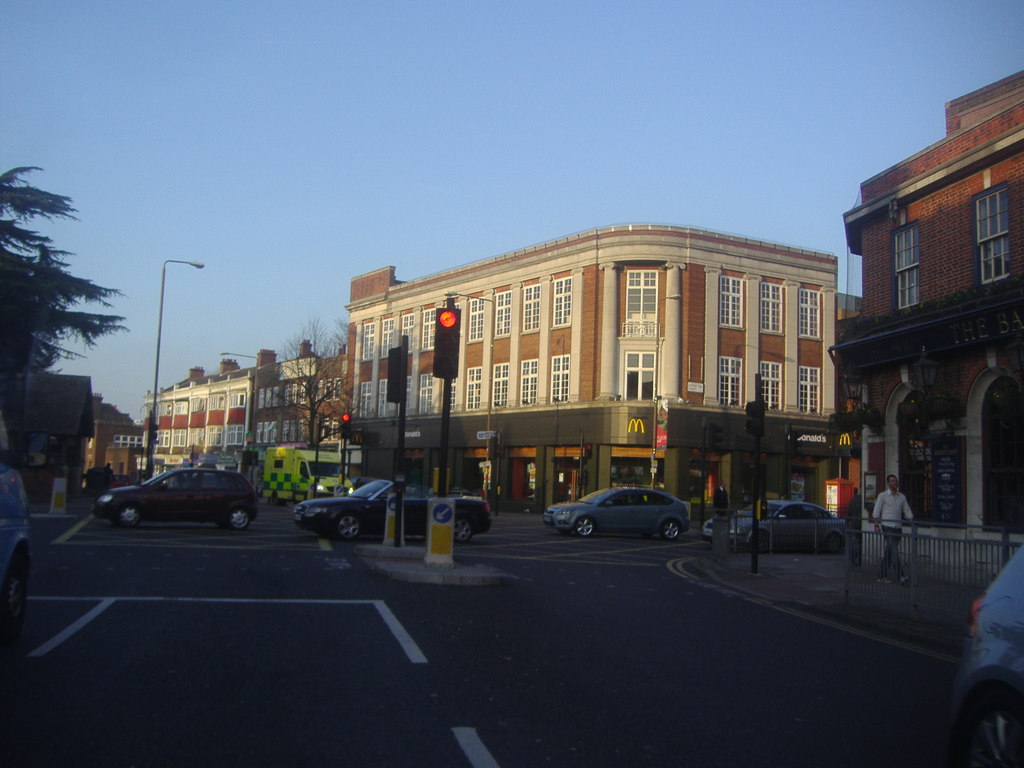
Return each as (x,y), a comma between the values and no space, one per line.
(292,145)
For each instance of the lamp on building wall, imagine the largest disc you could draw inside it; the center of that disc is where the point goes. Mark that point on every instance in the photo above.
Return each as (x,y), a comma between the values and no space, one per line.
(924,371)
(853,381)
(1015,352)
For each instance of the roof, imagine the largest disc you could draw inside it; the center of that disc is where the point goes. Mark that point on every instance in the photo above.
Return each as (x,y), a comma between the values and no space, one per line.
(59,405)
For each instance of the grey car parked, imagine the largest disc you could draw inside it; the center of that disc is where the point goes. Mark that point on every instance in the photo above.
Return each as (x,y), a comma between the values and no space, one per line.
(988,693)
(621,510)
(786,525)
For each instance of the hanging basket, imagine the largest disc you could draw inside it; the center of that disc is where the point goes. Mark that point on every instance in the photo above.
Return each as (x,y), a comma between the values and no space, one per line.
(943,407)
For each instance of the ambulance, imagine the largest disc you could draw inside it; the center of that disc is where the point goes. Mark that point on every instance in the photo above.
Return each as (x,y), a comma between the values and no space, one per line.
(288,474)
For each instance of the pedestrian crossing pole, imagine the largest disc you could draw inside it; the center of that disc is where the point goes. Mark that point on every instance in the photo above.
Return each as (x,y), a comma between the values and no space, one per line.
(755,426)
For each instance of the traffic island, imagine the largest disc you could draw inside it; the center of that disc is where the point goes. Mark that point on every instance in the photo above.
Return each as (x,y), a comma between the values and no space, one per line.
(407,564)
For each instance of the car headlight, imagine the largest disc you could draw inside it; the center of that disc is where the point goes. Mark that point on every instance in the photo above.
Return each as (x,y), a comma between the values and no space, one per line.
(106,498)
(563,514)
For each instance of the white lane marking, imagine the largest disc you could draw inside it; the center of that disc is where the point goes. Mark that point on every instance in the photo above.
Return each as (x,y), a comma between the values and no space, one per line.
(474,749)
(404,639)
(56,640)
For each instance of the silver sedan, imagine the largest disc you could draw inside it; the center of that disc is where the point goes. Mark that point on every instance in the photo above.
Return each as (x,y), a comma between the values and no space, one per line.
(621,510)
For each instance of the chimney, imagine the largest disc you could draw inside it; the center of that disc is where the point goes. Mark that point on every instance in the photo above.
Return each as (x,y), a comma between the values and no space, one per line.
(265,357)
(305,348)
(197,373)
(227,365)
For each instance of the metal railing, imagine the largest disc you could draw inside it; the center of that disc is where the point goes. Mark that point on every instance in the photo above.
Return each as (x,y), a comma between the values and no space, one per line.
(943,567)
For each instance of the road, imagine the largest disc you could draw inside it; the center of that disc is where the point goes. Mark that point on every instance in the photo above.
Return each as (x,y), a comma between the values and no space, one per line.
(187,645)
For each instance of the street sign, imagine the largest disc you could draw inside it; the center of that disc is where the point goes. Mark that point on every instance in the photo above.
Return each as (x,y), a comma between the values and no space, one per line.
(485,435)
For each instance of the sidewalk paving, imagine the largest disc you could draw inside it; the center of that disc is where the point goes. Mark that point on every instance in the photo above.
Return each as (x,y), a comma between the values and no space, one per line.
(816,585)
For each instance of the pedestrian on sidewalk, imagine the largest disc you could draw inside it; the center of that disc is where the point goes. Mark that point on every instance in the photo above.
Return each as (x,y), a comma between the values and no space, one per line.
(721,497)
(854,513)
(891,509)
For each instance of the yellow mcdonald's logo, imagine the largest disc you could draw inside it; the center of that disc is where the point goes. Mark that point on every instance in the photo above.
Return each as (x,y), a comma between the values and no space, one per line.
(844,439)
(636,425)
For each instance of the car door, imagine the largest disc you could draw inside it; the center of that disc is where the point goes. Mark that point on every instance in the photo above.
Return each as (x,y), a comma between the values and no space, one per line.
(613,514)
(647,511)
(176,500)
(805,525)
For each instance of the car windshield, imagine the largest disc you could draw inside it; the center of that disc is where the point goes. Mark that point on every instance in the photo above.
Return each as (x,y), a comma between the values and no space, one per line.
(371,489)
(592,498)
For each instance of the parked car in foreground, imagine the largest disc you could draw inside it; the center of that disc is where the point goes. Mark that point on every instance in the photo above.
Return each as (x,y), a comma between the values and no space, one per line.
(786,525)
(182,495)
(621,510)
(988,692)
(363,512)
(15,557)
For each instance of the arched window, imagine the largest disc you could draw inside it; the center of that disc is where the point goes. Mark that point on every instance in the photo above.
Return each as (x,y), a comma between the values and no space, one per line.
(1003,415)
(915,456)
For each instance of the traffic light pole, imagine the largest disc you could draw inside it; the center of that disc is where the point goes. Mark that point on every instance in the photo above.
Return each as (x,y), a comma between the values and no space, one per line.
(703,466)
(755,426)
(398,464)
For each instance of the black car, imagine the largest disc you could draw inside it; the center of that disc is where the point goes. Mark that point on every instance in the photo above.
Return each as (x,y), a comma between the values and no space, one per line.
(182,495)
(364,512)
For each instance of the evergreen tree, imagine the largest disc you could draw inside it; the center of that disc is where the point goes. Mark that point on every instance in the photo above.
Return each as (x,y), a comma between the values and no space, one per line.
(39,299)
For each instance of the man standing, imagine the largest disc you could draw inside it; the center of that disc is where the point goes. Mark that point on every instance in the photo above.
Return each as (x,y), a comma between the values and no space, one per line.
(721,497)
(891,508)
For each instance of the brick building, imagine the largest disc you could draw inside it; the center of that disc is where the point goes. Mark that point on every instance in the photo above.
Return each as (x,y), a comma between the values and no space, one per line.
(936,353)
(117,439)
(596,359)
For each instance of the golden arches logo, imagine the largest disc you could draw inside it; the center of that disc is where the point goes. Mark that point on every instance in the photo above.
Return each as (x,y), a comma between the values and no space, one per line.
(636,425)
(844,439)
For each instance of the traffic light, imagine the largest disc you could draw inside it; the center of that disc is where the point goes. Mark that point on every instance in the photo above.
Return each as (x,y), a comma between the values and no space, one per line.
(713,436)
(346,426)
(446,343)
(755,424)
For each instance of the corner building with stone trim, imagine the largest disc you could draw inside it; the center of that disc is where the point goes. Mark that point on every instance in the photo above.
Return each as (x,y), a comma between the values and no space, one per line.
(596,359)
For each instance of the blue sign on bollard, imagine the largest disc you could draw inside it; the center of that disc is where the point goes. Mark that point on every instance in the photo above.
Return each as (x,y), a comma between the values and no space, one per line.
(442,513)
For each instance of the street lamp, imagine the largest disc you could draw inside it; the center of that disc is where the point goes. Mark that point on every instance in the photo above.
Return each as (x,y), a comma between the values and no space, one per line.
(151,442)
(925,371)
(1015,351)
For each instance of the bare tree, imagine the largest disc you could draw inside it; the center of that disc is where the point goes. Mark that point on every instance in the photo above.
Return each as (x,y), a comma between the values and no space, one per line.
(314,378)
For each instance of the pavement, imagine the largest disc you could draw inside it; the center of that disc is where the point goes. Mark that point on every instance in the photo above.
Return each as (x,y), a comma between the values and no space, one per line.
(818,587)
(813,585)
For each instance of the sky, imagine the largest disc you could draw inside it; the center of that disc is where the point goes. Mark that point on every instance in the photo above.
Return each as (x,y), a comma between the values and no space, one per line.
(290,146)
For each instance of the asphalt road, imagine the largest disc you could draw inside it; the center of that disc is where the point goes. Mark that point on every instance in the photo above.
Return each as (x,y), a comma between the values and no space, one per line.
(187,645)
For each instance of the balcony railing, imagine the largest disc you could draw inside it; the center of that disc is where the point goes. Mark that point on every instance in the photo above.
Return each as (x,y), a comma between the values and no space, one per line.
(640,329)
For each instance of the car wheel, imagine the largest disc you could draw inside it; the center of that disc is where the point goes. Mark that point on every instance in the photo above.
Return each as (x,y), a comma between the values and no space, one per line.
(670,530)
(238,519)
(462,530)
(584,526)
(833,542)
(128,516)
(992,732)
(13,598)
(347,526)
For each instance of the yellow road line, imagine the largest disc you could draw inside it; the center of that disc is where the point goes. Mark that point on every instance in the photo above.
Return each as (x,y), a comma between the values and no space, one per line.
(63,538)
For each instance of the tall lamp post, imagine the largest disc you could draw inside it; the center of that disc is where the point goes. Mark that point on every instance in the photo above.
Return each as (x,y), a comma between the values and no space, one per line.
(151,442)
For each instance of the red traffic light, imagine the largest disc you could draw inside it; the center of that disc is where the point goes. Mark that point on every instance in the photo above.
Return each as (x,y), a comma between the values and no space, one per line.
(448,318)
(346,417)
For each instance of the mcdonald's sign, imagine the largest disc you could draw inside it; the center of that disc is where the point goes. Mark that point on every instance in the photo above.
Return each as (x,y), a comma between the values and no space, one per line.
(844,440)
(636,425)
